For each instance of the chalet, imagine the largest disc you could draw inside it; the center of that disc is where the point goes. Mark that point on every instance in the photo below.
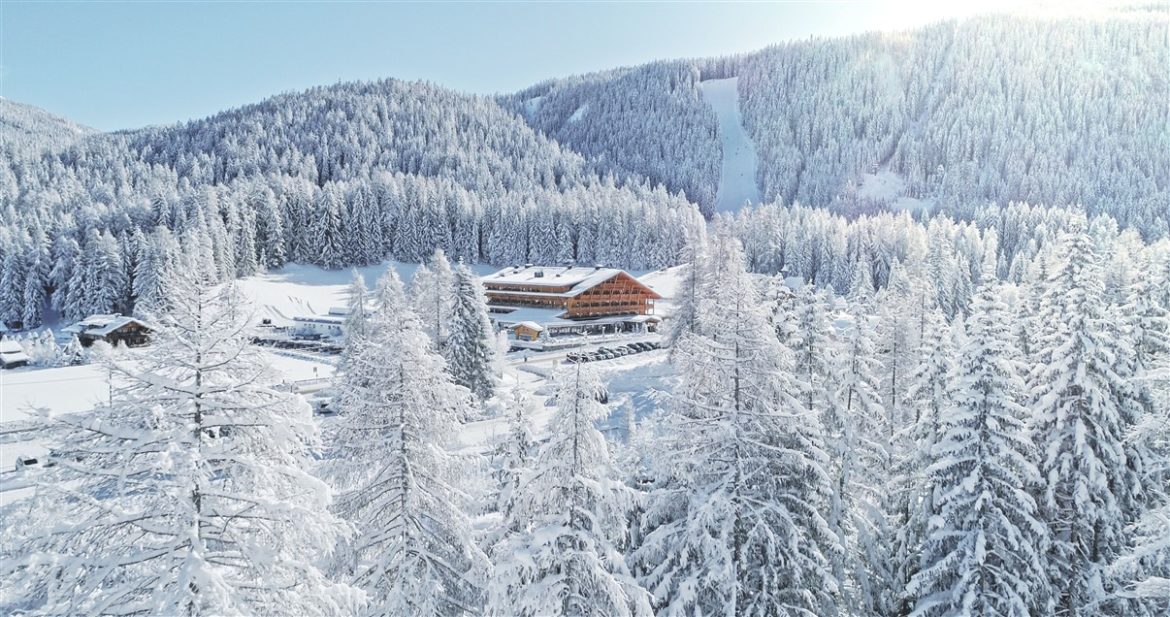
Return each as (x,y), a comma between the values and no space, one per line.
(12,354)
(113,329)
(536,302)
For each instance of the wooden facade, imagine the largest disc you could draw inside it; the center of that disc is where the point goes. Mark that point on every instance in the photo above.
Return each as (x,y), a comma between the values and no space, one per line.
(620,295)
(613,293)
(131,334)
(114,329)
(526,332)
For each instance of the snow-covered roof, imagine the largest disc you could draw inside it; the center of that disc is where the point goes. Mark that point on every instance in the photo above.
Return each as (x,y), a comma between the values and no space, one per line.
(339,311)
(11,351)
(531,325)
(552,276)
(577,278)
(102,325)
(332,320)
(10,346)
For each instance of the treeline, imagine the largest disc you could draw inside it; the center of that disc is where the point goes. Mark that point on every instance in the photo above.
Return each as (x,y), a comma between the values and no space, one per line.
(831,251)
(76,266)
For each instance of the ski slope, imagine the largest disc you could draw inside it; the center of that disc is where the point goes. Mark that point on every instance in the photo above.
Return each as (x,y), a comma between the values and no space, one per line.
(737,177)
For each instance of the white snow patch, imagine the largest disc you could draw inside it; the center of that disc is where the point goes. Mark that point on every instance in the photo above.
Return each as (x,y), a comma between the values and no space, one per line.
(884,186)
(298,289)
(63,390)
(737,178)
(579,113)
(532,106)
(890,188)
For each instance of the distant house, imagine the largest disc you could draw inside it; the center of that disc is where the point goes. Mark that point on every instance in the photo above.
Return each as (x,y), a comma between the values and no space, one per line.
(12,354)
(330,325)
(113,329)
(527,330)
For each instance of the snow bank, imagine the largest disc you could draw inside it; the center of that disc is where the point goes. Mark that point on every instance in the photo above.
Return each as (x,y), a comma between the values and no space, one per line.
(737,179)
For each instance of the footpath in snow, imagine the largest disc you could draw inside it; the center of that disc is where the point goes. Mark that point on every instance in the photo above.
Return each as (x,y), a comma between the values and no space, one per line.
(737,178)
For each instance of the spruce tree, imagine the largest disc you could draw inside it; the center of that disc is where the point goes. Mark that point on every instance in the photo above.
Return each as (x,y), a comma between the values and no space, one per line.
(470,347)
(397,478)
(734,523)
(1078,410)
(562,554)
(186,494)
(984,553)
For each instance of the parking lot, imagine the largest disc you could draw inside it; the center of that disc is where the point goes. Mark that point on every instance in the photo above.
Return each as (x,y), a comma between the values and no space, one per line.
(609,353)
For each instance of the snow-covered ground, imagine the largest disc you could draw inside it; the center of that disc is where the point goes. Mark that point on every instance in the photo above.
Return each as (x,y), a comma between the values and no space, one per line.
(887,186)
(737,179)
(296,290)
(579,113)
(310,290)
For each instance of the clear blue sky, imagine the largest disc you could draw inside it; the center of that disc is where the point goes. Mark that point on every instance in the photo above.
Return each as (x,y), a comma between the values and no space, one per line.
(121,65)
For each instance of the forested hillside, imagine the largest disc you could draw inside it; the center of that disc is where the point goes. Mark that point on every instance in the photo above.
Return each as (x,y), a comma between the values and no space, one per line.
(23,127)
(650,121)
(344,175)
(990,109)
(598,168)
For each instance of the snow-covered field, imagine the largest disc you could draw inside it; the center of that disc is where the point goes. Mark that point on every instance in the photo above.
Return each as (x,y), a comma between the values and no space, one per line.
(737,179)
(307,290)
(889,187)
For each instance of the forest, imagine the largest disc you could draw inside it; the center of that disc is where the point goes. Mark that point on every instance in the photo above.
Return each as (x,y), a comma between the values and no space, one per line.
(941,444)
(866,411)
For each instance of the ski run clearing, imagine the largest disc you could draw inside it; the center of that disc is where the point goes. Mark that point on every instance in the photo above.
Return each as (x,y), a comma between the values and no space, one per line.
(737,178)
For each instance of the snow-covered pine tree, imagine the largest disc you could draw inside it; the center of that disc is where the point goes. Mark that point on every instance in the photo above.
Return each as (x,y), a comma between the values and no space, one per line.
(927,394)
(328,236)
(397,481)
(470,345)
(1078,425)
(1142,574)
(12,269)
(514,453)
(816,353)
(567,522)
(271,243)
(985,549)
(73,353)
(187,494)
(734,523)
(432,293)
(357,321)
(857,439)
(694,262)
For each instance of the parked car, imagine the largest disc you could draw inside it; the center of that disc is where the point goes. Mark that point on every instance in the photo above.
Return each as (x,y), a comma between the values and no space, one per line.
(24,461)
